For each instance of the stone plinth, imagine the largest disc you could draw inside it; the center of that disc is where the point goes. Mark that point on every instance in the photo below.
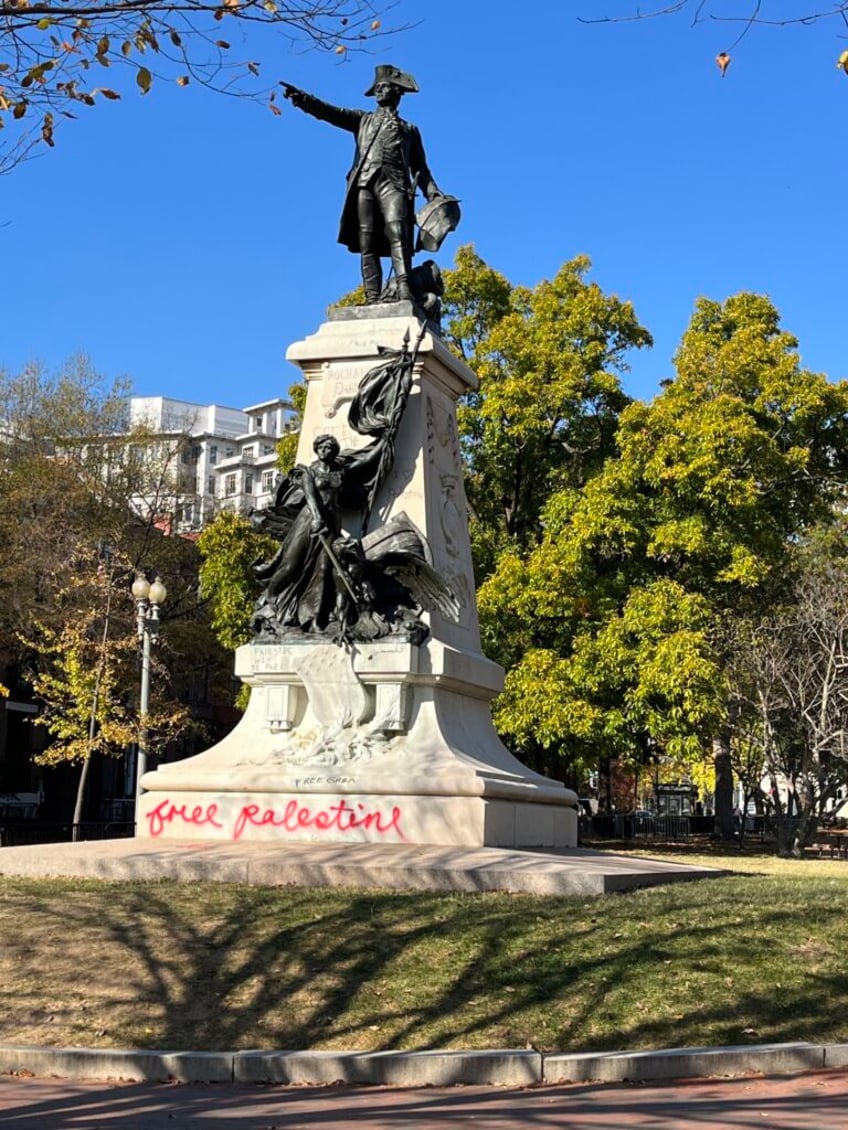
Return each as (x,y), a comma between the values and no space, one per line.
(425,481)
(386,741)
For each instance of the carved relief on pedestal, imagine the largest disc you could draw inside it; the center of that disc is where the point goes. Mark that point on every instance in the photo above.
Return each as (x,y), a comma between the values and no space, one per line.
(451,551)
(398,488)
(450,517)
(356,721)
(282,705)
(337,696)
(459,582)
(442,437)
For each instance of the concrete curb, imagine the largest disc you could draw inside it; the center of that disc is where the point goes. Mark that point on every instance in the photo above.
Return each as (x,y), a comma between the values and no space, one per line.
(503,1068)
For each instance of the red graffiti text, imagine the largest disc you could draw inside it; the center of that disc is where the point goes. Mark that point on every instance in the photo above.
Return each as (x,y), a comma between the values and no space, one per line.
(339,816)
(166,813)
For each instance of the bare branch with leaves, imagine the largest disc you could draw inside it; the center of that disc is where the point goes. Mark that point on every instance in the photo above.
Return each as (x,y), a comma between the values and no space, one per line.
(55,55)
(789,700)
(744,17)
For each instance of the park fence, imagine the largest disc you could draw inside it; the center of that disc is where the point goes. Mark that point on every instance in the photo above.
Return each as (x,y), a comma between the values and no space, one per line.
(673,829)
(17,833)
(639,827)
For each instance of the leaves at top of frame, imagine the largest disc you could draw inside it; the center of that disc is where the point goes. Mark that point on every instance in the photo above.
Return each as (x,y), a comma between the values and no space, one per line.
(41,43)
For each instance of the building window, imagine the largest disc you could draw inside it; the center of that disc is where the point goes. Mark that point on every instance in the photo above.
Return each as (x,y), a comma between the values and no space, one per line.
(213,453)
(267,481)
(248,484)
(210,485)
(248,452)
(267,448)
(229,485)
(195,453)
(228,452)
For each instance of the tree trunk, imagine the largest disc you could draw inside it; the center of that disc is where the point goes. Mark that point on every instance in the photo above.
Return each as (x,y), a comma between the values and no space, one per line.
(786,833)
(605,786)
(92,718)
(80,798)
(724,822)
(804,832)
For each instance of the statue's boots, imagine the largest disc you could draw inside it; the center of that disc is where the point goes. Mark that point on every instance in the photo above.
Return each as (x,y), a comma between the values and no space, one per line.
(399,249)
(372,276)
(404,291)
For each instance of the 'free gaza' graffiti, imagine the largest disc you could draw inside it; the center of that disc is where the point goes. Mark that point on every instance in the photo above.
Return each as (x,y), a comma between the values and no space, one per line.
(294,817)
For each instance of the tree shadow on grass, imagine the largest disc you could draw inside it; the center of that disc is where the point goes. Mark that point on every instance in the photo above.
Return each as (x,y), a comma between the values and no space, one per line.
(216,967)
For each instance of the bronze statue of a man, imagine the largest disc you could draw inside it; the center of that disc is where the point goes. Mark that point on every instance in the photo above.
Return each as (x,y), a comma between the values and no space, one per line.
(389,165)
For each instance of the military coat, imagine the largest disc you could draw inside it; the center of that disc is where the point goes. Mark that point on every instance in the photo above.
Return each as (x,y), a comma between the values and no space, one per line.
(406,173)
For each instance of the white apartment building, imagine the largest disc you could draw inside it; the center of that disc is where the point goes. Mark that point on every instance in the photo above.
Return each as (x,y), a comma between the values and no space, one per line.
(246,470)
(226,457)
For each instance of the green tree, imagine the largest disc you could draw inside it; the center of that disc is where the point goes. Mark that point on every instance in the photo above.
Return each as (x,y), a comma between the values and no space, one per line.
(85,667)
(53,55)
(543,421)
(84,506)
(549,360)
(690,523)
(287,443)
(228,547)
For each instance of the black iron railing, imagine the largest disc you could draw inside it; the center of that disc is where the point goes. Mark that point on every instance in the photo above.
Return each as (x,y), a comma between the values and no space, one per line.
(16,833)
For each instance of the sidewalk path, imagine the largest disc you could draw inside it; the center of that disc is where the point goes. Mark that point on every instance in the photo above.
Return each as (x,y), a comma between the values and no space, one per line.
(815,1101)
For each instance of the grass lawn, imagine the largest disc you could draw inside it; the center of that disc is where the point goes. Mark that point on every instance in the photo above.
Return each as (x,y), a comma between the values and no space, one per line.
(756,956)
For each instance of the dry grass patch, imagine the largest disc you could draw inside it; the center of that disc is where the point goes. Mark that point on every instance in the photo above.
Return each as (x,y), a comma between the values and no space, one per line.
(752,859)
(168,965)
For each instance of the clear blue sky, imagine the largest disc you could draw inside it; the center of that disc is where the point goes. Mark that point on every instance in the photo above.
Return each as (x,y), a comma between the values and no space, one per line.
(184,239)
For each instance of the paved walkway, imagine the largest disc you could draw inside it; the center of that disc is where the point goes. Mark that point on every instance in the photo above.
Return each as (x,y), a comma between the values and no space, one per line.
(817,1101)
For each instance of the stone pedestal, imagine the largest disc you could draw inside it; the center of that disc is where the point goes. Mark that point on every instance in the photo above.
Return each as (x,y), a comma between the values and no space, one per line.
(384,741)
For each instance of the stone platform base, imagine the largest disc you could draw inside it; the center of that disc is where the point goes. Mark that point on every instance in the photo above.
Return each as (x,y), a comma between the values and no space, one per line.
(576,871)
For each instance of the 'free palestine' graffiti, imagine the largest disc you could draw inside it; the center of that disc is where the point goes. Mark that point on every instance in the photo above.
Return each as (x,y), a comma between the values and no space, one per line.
(294,817)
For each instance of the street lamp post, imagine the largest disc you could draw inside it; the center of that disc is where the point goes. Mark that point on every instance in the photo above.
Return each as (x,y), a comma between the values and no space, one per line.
(148,598)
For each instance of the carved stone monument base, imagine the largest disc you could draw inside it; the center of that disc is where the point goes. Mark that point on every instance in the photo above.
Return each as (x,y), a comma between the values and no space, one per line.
(383,742)
(389,740)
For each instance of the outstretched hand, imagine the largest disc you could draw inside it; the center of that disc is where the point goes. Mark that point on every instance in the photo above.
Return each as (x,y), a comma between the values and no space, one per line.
(294,94)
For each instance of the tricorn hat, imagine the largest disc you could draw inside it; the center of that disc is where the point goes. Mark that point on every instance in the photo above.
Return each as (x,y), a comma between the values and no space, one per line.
(435,220)
(385,72)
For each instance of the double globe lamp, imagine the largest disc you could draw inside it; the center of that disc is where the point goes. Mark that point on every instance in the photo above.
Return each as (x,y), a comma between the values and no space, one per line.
(148,600)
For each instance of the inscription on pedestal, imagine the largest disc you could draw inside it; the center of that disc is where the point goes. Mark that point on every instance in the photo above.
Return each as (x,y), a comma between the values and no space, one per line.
(339,387)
